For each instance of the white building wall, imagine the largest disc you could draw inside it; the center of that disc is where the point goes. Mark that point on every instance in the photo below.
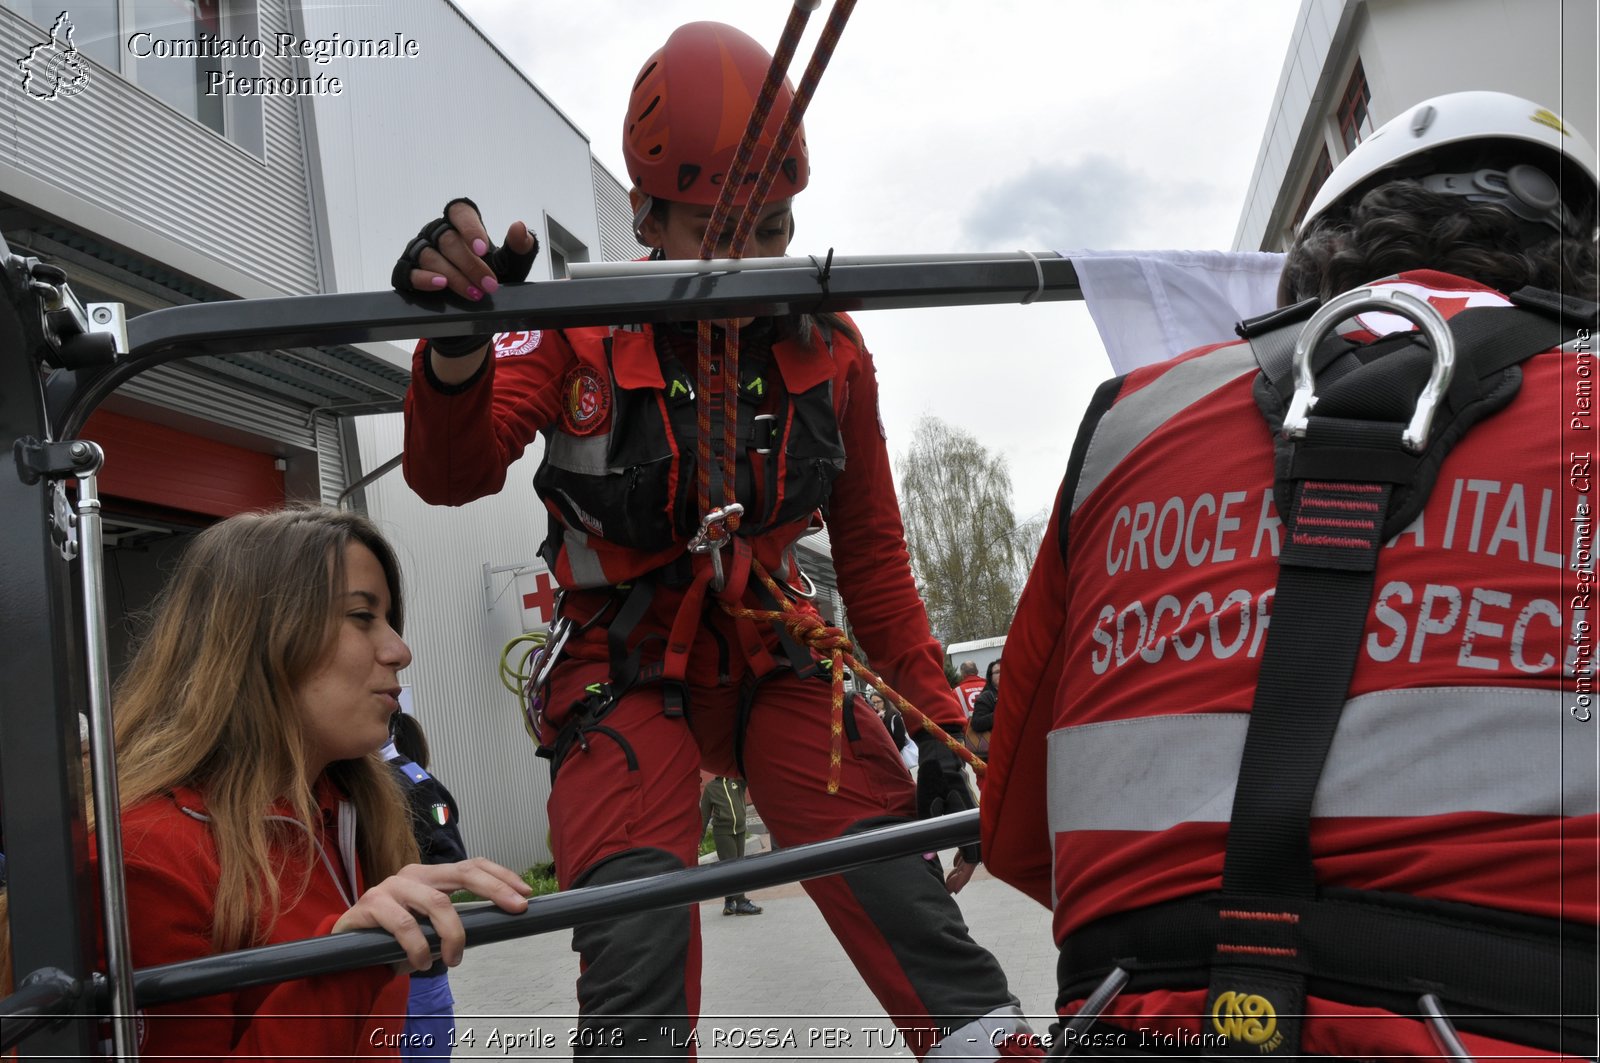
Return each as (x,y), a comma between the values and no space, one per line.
(1542,50)
(389,155)
(393,149)
(480,750)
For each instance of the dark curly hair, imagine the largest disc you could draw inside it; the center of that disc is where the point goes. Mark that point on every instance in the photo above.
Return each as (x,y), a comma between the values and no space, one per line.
(1401,226)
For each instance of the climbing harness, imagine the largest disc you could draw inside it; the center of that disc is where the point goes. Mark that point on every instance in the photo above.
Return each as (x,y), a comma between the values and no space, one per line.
(1356,457)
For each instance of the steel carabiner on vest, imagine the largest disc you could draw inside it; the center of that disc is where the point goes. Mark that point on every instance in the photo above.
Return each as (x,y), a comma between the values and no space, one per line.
(713,536)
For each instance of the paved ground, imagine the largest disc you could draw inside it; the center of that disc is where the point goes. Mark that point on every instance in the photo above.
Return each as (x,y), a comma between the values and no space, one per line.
(780,974)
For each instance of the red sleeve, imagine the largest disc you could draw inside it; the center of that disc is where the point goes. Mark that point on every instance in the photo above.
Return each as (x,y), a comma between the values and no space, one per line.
(170,890)
(460,440)
(1017,847)
(873,566)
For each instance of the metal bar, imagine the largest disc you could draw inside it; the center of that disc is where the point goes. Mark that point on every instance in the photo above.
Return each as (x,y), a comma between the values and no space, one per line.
(666,291)
(51,891)
(484,926)
(371,477)
(103,760)
(45,997)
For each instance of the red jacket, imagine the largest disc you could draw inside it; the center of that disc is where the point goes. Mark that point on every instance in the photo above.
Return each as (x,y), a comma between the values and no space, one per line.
(459,443)
(968,690)
(1133,658)
(172,872)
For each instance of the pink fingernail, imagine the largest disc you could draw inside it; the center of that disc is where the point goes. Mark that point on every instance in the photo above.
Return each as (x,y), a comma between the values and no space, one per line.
(474,293)
(479,247)
(438,282)
(490,285)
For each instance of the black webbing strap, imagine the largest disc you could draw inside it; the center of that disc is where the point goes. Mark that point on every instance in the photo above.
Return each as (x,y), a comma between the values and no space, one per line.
(1518,978)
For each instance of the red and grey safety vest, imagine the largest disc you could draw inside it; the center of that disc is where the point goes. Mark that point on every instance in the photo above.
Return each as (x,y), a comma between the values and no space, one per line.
(623,478)
(1452,838)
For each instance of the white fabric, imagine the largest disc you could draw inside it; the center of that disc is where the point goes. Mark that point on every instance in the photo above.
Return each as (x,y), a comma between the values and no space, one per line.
(909,755)
(1152,305)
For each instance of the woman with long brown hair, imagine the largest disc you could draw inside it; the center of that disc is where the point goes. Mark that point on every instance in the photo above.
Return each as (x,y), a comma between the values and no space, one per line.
(256,808)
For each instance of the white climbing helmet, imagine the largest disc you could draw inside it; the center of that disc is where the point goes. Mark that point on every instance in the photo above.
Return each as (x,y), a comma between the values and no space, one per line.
(1489,147)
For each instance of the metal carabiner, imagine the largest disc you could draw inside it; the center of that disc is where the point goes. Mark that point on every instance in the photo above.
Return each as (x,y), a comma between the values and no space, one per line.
(713,536)
(1389,300)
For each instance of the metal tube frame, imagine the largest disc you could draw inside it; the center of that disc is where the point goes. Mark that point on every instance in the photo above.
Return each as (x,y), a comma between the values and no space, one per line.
(42,633)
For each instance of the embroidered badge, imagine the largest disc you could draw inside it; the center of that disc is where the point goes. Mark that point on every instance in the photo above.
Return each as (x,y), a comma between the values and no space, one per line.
(512,344)
(588,400)
(441,814)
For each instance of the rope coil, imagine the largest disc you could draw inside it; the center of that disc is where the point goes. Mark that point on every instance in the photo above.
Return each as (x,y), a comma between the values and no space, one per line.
(811,630)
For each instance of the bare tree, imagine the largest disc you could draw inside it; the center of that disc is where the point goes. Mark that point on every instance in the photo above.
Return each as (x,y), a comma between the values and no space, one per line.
(968,551)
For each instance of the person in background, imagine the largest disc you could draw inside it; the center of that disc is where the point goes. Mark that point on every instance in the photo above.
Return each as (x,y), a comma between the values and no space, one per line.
(968,686)
(722,807)
(436,825)
(982,721)
(255,806)
(895,724)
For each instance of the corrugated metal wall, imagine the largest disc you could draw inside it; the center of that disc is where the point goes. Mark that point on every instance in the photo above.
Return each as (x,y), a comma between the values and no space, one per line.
(614,217)
(126,152)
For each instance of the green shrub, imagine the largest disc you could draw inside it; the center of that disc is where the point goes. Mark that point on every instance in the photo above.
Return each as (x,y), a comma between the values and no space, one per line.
(542,877)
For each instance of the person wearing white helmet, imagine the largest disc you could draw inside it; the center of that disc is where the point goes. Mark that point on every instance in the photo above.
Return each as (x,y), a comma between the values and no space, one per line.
(1296,735)
(1465,150)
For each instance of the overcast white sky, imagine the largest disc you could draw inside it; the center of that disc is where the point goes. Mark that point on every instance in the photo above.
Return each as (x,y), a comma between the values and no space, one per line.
(981,126)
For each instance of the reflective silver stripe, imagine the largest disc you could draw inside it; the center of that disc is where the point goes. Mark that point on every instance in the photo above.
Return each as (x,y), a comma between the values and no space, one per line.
(584,562)
(580,454)
(980,1039)
(1130,422)
(1419,752)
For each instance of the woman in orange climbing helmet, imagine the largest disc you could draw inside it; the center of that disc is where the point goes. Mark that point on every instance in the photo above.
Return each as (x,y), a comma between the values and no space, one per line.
(658,669)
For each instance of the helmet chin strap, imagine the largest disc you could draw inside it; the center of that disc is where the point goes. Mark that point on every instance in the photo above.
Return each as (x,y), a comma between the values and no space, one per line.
(640,213)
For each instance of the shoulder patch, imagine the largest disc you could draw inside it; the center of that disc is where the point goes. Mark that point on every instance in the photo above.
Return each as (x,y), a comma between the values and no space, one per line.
(588,400)
(513,344)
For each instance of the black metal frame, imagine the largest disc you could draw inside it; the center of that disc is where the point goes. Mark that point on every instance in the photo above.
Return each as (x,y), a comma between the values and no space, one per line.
(48,390)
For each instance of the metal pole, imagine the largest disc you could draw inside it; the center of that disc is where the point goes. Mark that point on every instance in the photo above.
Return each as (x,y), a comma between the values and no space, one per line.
(485,926)
(103,757)
(44,998)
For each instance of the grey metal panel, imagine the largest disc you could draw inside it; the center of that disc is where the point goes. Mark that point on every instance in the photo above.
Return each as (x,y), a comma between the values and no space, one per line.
(164,176)
(183,389)
(330,458)
(614,217)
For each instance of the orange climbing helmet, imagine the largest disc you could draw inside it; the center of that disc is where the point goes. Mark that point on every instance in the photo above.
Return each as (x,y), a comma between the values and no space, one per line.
(688,111)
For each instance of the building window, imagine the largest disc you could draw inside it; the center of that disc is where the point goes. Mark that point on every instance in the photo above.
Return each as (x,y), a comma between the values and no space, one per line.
(167,47)
(1355,112)
(562,247)
(1319,174)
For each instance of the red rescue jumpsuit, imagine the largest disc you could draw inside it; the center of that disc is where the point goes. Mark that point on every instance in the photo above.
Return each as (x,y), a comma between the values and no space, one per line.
(625,800)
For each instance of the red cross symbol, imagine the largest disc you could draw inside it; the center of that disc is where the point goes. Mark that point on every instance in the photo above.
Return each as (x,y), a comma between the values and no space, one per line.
(541,601)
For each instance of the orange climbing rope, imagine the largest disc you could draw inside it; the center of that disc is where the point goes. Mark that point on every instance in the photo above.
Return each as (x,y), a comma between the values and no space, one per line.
(721,513)
(811,630)
(707,369)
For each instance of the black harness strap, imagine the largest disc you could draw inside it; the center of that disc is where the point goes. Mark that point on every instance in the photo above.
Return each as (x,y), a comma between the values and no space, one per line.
(1509,974)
